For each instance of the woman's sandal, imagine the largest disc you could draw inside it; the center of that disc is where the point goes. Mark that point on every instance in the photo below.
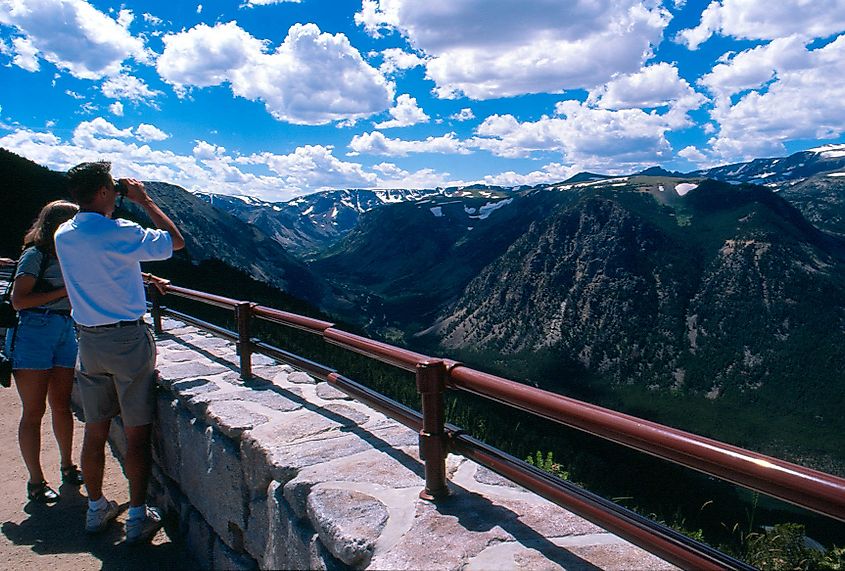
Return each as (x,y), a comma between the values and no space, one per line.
(42,493)
(72,476)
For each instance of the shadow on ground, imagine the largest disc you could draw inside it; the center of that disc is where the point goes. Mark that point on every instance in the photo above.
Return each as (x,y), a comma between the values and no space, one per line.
(59,529)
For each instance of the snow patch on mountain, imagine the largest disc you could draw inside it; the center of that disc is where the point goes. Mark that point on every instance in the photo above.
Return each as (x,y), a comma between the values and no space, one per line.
(830,151)
(490,207)
(685,187)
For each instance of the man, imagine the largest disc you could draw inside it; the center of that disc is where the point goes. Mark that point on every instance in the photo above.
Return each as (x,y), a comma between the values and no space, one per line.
(100,259)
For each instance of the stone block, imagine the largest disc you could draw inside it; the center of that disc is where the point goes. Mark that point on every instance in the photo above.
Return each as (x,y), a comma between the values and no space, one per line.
(386,468)
(267,397)
(327,392)
(618,556)
(210,474)
(300,378)
(438,540)
(257,529)
(256,467)
(292,544)
(348,523)
(232,418)
(226,558)
(199,367)
(170,420)
(199,538)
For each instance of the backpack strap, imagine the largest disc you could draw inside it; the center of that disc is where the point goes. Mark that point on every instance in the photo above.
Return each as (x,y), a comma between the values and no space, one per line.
(8,293)
(45,261)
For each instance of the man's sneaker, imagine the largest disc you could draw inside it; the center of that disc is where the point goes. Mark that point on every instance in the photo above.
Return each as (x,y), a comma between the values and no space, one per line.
(97,520)
(143,528)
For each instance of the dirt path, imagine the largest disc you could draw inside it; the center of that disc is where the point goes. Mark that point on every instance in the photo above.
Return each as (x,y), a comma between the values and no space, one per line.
(34,536)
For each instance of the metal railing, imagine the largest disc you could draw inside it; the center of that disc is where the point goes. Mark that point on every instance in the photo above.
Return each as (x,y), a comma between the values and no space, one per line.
(810,489)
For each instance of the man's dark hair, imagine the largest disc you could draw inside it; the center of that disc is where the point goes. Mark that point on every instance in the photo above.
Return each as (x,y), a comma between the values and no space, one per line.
(86,179)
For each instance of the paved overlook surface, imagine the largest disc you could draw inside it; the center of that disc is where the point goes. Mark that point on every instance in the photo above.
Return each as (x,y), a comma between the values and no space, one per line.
(344,470)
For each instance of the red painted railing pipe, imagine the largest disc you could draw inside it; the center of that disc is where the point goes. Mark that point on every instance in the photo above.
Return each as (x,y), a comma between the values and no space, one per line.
(431,383)
(308,324)
(817,491)
(402,358)
(209,298)
(807,488)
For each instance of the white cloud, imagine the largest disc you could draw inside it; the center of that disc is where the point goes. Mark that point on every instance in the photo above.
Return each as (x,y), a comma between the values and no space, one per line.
(253,3)
(129,87)
(199,8)
(204,56)
(125,18)
(519,47)
(206,151)
(396,59)
(207,168)
(755,67)
(550,173)
(778,92)
(26,54)
(594,138)
(375,143)
(146,132)
(656,85)
(99,135)
(392,176)
(313,167)
(313,78)
(116,108)
(755,20)
(464,114)
(152,19)
(693,155)
(73,35)
(405,113)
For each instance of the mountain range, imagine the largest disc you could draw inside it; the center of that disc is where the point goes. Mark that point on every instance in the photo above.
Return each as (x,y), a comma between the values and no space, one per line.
(721,286)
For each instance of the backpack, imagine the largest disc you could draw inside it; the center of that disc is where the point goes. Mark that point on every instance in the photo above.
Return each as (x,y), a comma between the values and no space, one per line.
(8,315)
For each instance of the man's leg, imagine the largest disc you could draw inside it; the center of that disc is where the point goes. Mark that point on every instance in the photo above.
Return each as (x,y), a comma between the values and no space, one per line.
(94,457)
(138,459)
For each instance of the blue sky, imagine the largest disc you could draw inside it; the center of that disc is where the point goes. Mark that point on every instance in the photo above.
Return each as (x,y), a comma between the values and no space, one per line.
(275,98)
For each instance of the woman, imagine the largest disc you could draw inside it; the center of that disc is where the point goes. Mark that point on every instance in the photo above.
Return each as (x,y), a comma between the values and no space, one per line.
(42,349)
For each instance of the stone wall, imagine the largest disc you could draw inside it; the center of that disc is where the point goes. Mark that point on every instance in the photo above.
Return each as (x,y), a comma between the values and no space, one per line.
(284,472)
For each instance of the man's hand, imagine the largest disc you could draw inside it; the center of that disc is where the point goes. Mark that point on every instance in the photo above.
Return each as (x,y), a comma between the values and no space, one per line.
(135,190)
(159,283)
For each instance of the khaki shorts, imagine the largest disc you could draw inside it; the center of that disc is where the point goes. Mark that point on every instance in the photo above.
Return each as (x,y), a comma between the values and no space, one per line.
(116,373)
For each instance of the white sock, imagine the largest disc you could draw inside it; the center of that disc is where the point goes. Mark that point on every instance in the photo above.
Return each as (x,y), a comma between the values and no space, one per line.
(100,504)
(138,512)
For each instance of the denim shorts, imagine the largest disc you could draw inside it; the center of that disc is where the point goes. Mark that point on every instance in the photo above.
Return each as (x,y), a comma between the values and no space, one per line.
(42,341)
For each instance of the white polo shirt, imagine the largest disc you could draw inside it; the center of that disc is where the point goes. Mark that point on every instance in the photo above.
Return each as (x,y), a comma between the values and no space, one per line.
(100,260)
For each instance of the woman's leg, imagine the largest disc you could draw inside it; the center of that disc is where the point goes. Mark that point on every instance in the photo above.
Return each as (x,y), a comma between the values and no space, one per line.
(32,388)
(60,387)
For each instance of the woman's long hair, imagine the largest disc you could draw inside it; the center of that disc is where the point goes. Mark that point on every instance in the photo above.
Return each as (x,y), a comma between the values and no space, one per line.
(45,225)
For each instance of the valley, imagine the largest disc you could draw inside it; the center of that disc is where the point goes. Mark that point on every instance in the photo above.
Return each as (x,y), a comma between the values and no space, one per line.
(715,306)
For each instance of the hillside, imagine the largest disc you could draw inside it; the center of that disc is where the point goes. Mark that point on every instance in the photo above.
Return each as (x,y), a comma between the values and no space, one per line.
(237,252)
(646,285)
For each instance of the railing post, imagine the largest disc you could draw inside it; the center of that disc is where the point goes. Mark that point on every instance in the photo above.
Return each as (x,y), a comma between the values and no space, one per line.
(243,315)
(431,383)
(155,311)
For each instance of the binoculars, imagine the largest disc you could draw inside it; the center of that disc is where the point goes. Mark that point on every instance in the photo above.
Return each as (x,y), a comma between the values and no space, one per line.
(121,188)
